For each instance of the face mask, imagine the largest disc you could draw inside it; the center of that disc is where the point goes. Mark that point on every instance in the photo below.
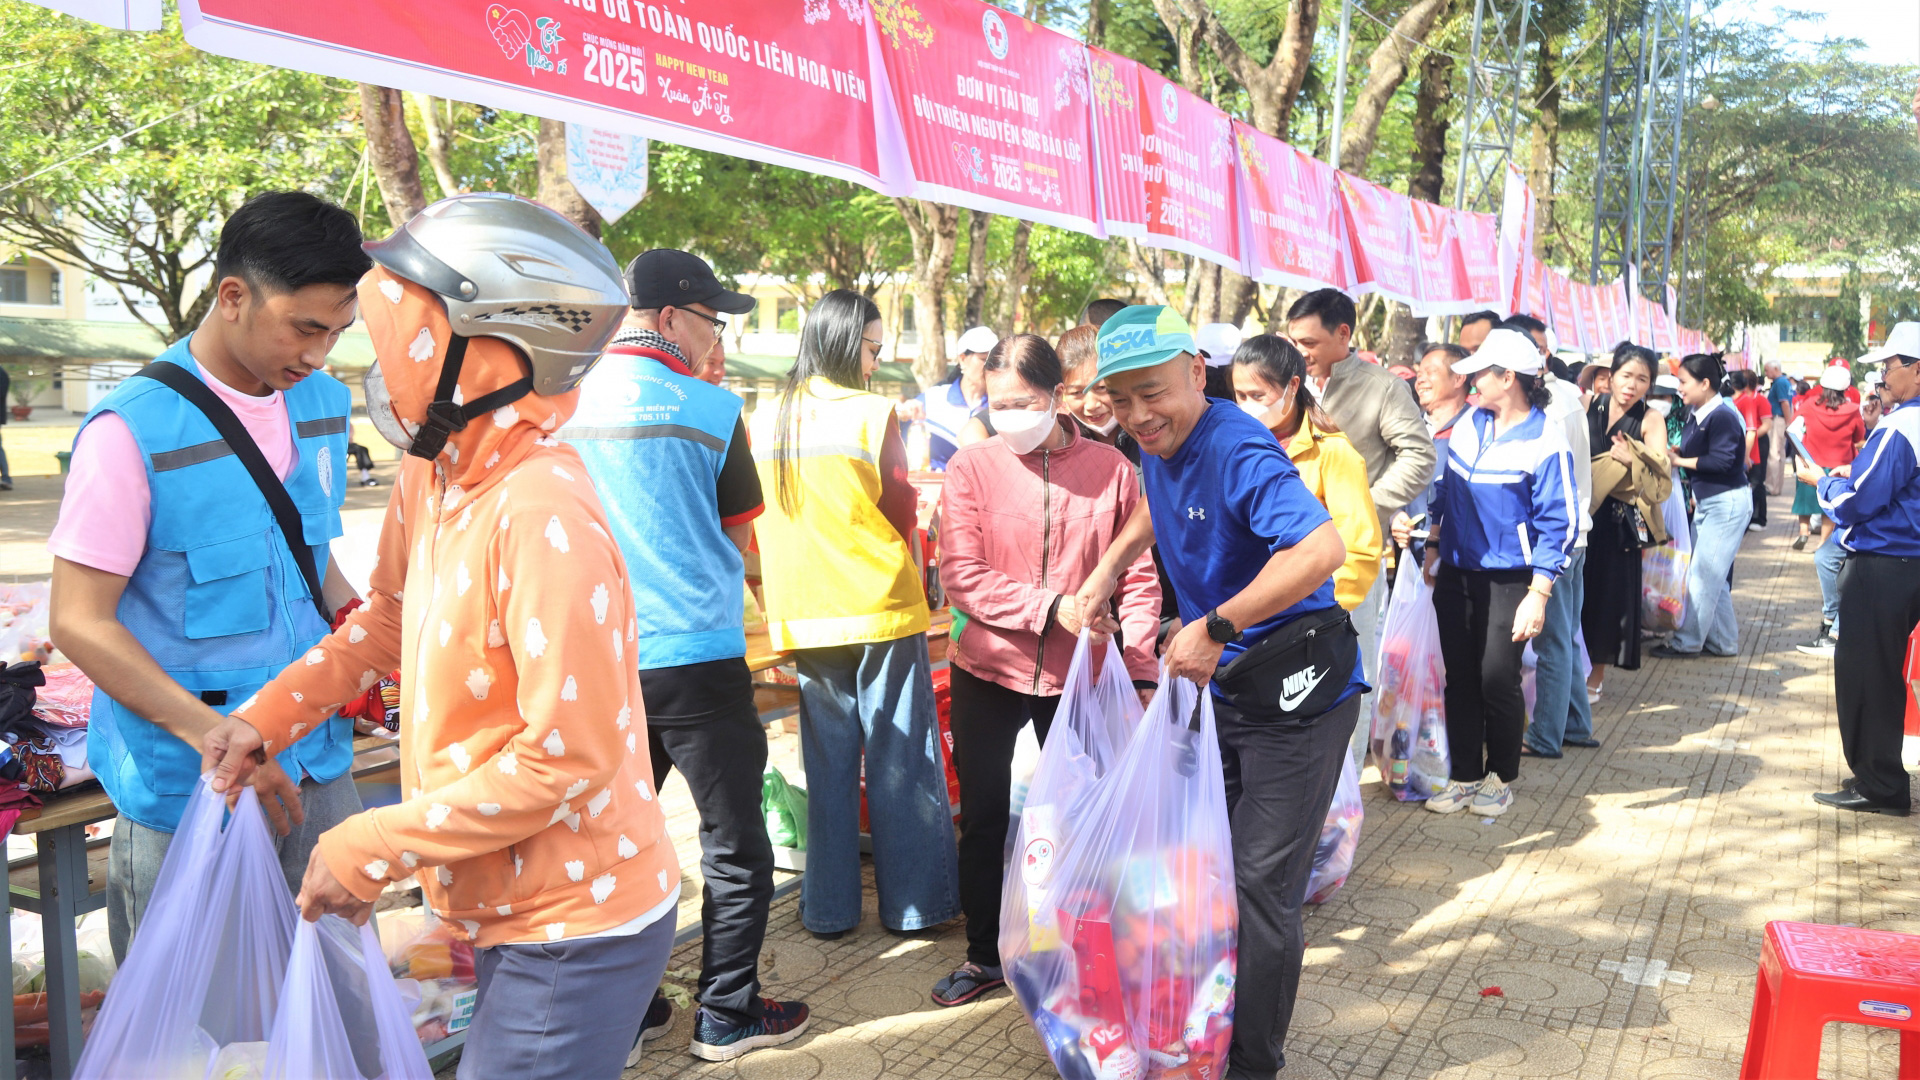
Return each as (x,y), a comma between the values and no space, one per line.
(1023,430)
(1102,429)
(1253,408)
(1662,406)
(380,411)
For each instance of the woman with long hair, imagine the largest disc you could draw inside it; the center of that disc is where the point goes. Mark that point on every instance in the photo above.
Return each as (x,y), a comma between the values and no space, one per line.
(1506,519)
(1713,452)
(844,595)
(1025,514)
(1626,514)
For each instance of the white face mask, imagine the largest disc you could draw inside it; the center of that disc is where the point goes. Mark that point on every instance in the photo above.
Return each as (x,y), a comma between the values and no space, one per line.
(1023,430)
(381,413)
(1253,408)
(1661,405)
(1102,429)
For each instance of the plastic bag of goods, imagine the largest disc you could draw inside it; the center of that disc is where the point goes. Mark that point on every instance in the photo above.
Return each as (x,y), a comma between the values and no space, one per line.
(23,622)
(1409,733)
(1333,856)
(205,969)
(1663,570)
(419,947)
(1121,943)
(67,698)
(785,807)
(341,1013)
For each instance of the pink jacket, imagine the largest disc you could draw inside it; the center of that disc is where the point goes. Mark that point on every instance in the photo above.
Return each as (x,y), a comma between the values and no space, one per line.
(1016,533)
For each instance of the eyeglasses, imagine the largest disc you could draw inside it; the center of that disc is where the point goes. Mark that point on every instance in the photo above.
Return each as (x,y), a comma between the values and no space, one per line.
(872,342)
(719,325)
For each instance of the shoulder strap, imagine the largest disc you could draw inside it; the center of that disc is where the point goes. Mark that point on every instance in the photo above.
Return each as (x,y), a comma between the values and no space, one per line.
(189,386)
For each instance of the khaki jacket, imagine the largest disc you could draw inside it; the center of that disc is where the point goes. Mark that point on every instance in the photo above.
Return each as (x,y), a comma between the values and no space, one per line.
(1646,483)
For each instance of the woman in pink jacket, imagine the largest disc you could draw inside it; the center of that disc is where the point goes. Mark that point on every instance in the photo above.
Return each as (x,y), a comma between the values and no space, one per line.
(1026,515)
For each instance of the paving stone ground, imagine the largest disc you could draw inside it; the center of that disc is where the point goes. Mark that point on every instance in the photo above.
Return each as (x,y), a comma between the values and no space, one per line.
(1618,905)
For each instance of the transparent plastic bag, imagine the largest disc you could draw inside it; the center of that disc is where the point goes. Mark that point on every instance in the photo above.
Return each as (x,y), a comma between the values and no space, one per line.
(207,963)
(1409,733)
(342,1015)
(421,950)
(1122,947)
(1333,856)
(1663,570)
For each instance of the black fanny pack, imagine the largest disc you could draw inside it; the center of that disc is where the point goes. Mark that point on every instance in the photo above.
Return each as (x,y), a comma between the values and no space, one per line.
(1298,671)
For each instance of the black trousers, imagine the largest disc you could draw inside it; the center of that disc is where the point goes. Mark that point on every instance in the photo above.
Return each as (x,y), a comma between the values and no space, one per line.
(1879,607)
(1280,779)
(1757,478)
(986,718)
(701,720)
(1485,712)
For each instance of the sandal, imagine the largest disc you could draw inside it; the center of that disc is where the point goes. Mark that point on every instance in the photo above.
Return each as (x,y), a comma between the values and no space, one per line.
(1528,751)
(966,982)
(1800,542)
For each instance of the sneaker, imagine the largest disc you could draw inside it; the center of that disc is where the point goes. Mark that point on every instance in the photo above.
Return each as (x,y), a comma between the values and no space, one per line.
(1755,526)
(369,482)
(1493,798)
(966,982)
(1593,695)
(1822,646)
(1800,542)
(715,1039)
(658,1022)
(1455,796)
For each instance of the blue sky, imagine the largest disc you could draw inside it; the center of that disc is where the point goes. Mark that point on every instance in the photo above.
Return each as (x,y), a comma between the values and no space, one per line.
(1891,28)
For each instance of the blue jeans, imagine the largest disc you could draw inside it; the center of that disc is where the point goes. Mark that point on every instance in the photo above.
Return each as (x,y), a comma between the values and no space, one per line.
(1718,526)
(1560,708)
(1827,563)
(878,695)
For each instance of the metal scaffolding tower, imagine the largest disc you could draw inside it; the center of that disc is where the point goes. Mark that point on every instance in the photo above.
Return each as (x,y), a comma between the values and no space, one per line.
(1645,90)
(1496,73)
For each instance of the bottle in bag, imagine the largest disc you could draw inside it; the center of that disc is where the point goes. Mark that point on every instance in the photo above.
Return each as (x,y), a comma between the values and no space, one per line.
(1398,751)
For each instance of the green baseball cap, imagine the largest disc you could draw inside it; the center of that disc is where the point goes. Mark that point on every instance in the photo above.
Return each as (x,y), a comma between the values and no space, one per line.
(1141,337)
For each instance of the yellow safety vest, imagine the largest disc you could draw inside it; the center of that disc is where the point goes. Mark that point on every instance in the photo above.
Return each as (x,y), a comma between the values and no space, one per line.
(835,571)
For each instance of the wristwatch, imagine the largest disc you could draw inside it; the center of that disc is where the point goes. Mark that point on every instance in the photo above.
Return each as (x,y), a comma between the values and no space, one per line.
(1221,630)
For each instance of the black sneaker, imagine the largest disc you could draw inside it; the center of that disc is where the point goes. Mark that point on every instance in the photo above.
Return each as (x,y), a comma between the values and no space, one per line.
(369,482)
(1822,646)
(715,1039)
(658,1022)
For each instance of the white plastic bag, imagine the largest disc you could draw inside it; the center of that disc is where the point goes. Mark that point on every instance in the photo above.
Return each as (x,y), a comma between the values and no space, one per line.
(1094,720)
(342,1015)
(206,965)
(1663,569)
(1409,706)
(1339,837)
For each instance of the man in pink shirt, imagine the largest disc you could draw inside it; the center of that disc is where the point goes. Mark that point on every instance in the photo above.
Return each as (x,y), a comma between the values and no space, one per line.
(174,587)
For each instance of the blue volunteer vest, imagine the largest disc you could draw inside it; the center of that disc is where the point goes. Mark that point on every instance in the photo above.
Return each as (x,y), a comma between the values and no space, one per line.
(654,441)
(217,598)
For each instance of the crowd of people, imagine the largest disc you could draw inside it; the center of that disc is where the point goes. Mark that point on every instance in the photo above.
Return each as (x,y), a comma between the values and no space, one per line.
(561,579)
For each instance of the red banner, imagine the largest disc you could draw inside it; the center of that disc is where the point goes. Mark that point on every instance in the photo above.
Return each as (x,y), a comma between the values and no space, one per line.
(1562,315)
(1115,82)
(994,114)
(1296,232)
(1442,277)
(787,83)
(1530,295)
(1480,256)
(1186,156)
(1586,302)
(1381,232)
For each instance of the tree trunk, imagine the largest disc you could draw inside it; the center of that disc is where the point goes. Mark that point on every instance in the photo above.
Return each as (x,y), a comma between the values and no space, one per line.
(1019,272)
(439,144)
(1272,88)
(935,232)
(1149,265)
(1237,294)
(1544,162)
(1430,123)
(556,191)
(1404,334)
(1386,70)
(977,224)
(1097,23)
(1197,293)
(390,152)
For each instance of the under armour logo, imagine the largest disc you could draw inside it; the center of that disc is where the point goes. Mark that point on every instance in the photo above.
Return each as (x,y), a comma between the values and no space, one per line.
(1196,513)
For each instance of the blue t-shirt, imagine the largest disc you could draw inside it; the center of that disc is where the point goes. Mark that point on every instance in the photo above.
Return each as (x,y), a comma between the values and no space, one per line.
(1779,394)
(1222,505)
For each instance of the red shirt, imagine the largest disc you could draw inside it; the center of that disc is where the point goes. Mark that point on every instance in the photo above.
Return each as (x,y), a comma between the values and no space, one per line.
(1832,434)
(1758,412)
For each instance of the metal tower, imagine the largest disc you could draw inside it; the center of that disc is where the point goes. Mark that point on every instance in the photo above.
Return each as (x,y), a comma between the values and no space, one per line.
(1645,90)
(1496,72)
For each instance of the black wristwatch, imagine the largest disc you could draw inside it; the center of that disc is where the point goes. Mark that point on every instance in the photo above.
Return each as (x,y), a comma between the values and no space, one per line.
(1221,630)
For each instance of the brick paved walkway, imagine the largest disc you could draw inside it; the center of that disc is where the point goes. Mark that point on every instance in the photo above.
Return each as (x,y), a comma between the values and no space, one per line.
(1618,906)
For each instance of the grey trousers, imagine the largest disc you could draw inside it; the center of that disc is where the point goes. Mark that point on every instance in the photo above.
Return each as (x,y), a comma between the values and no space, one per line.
(563,1010)
(133,862)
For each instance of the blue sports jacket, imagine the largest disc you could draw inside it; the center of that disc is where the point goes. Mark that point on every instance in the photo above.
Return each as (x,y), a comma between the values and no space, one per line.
(1878,507)
(1508,503)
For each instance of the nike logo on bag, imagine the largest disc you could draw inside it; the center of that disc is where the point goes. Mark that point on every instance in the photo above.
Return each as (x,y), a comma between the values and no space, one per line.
(1297,686)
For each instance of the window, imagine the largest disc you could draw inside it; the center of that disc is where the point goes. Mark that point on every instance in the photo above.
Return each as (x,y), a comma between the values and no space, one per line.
(786,315)
(13,285)
(1803,318)
(906,315)
(53,286)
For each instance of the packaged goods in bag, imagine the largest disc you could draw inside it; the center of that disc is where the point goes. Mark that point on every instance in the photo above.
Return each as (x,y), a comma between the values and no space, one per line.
(1119,934)
(1409,731)
(207,963)
(1663,570)
(420,949)
(1339,837)
(341,1014)
(785,807)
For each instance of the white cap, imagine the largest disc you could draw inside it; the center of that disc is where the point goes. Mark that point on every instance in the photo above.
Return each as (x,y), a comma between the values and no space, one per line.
(1218,340)
(1835,378)
(1668,382)
(1509,349)
(980,339)
(1902,340)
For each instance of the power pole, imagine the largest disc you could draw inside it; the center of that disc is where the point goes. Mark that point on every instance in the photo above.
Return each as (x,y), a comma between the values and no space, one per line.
(1496,83)
(1645,90)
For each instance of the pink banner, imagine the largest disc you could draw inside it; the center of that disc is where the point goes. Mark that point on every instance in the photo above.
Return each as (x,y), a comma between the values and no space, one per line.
(995,115)
(787,83)
(1115,84)
(1530,288)
(1296,232)
(1186,155)
(1442,277)
(1563,317)
(1380,229)
(1586,301)
(1480,256)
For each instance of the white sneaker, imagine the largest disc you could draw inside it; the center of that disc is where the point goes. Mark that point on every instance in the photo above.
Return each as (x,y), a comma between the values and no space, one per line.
(1454,797)
(1493,798)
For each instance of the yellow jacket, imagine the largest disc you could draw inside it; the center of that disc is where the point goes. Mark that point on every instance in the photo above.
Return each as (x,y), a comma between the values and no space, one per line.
(1337,475)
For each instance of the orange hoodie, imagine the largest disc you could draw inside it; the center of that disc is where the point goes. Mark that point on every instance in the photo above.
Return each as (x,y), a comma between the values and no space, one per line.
(530,812)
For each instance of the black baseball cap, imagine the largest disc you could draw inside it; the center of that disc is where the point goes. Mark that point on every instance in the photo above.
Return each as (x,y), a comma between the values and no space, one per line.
(669,277)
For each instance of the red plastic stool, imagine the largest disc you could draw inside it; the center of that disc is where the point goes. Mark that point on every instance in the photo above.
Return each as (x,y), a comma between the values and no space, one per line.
(1812,975)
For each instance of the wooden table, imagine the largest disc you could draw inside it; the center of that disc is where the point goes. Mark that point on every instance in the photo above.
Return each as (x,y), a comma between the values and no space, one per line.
(761,654)
(64,870)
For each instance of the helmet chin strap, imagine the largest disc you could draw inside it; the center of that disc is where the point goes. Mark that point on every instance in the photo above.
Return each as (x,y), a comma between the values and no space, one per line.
(444,417)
